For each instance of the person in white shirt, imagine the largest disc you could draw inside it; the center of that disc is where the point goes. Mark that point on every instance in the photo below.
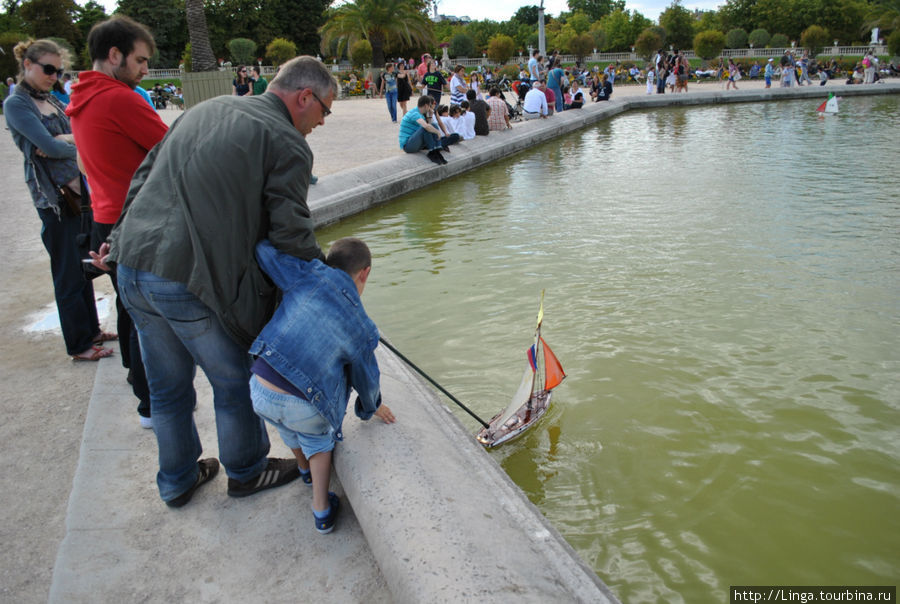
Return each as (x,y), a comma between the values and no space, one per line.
(67,83)
(651,79)
(466,122)
(535,104)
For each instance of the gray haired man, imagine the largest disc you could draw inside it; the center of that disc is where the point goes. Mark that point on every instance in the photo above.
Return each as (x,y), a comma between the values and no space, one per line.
(230,172)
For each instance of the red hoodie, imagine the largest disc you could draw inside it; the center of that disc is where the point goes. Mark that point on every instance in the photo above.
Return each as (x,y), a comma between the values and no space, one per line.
(114,129)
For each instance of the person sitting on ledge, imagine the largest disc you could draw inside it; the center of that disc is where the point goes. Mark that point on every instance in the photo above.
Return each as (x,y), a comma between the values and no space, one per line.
(417,132)
(535,105)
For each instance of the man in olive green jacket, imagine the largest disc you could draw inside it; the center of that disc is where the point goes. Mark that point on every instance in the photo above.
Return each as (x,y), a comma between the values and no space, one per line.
(230,172)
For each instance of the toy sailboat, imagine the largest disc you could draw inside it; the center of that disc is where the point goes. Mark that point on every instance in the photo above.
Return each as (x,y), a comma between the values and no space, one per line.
(542,374)
(829,106)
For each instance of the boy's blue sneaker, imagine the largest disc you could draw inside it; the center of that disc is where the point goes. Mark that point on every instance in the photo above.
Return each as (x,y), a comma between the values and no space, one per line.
(326,525)
(306,477)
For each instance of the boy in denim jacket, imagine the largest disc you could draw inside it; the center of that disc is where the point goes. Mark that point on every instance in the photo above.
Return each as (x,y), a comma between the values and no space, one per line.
(318,345)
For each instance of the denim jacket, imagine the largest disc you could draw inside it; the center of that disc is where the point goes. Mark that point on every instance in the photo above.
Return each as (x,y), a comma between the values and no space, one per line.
(320,339)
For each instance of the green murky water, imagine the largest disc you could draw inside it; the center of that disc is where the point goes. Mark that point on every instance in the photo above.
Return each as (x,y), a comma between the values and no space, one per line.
(723,290)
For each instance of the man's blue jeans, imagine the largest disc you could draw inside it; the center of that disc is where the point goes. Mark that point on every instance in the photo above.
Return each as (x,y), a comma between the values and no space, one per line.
(177,332)
(391,97)
(421,139)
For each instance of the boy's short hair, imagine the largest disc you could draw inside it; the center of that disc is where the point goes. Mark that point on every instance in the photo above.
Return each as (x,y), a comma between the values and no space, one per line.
(470,94)
(464,105)
(425,99)
(117,32)
(350,255)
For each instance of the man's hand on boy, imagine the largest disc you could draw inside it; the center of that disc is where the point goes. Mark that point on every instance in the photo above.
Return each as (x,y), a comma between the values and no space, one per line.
(384,413)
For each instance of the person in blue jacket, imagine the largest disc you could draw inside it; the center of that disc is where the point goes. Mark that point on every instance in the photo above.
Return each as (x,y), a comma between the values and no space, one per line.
(319,344)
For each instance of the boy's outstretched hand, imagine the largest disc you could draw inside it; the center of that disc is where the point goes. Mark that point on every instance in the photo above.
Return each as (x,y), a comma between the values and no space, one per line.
(384,413)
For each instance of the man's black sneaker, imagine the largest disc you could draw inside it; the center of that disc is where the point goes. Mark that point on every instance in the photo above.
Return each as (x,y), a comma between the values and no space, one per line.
(207,470)
(277,473)
(435,156)
(445,148)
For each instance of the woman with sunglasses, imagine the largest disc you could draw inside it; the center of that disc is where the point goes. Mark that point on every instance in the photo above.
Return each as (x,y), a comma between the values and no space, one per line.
(242,85)
(40,129)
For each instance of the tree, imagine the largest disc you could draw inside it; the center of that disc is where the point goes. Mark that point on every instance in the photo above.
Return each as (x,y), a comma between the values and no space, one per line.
(281,51)
(679,25)
(243,51)
(709,44)
(709,19)
(202,55)
(581,46)
(736,38)
(738,13)
(779,41)
(814,38)
(759,38)
(164,19)
(893,43)
(8,41)
(89,15)
(883,14)
(361,53)
(46,18)
(381,22)
(501,48)
(461,46)
(596,9)
(527,15)
(647,43)
(297,20)
(481,33)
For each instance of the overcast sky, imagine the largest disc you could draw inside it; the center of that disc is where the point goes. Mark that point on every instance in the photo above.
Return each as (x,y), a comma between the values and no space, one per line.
(502,10)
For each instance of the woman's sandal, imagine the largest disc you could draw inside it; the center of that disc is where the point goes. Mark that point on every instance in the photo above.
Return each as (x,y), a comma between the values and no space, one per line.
(105,337)
(98,353)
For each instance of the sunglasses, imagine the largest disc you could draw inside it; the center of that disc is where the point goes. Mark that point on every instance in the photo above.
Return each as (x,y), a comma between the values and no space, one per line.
(325,110)
(50,69)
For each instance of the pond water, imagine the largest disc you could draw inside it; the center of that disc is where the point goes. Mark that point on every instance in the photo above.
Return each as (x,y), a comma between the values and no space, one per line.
(723,290)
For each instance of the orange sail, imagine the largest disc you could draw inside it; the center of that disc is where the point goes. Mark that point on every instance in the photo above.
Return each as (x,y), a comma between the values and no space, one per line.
(552,367)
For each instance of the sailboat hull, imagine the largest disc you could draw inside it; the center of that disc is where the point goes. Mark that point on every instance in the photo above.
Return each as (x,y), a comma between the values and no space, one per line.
(497,434)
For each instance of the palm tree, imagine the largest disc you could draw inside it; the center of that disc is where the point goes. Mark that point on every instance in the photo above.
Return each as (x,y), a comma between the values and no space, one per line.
(202,57)
(381,22)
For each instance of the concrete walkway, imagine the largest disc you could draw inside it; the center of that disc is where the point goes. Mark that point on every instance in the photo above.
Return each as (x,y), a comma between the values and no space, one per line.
(420,496)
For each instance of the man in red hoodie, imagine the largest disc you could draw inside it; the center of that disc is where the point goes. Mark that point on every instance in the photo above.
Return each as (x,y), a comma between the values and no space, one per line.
(114,130)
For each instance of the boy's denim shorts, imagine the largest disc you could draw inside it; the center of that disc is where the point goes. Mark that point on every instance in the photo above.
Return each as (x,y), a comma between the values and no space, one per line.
(298,421)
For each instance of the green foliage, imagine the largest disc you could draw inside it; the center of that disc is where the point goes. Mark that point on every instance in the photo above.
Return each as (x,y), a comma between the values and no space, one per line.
(779,41)
(736,38)
(759,38)
(361,53)
(814,38)
(527,15)
(679,25)
(46,18)
(893,43)
(579,22)
(281,51)
(461,45)
(8,64)
(481,33)
(581,45)
(622,29)
(647,43)
(243,51)
(186,58)
(501,48)
(165,18)
(708,20)
(709,44)
(596,9)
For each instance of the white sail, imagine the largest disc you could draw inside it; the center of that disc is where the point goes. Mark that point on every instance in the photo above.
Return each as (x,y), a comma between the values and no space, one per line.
(523,394)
